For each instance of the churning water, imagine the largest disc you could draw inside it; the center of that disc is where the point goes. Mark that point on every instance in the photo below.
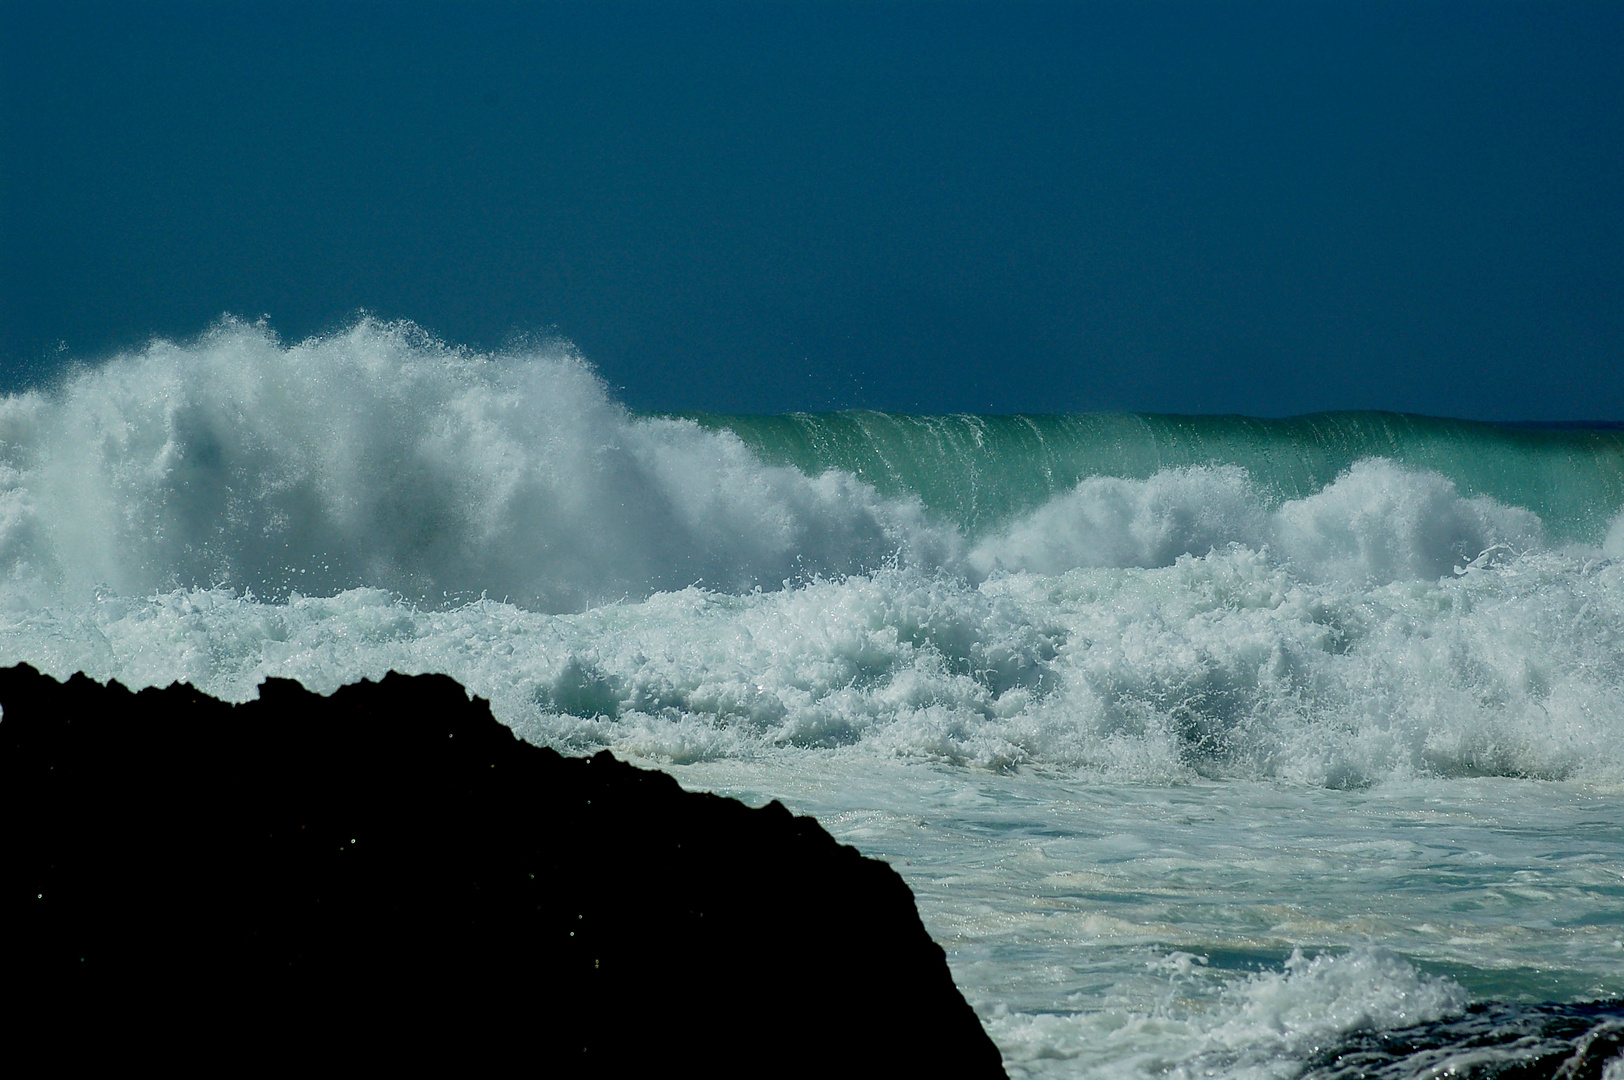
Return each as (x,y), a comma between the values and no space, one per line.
(1211,746)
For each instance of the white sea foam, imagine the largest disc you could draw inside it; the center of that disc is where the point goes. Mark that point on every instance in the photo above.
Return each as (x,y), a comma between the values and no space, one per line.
(1612,546)
(1224,665)
(1110,521)
(1377,523)
(366,486)
(377,457)
(233,509)
(1261,1026)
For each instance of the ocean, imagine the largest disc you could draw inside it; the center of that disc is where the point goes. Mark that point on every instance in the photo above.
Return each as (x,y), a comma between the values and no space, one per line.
(1210,746)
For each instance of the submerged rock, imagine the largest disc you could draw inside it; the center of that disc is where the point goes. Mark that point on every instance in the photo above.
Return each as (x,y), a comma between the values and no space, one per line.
(389,871)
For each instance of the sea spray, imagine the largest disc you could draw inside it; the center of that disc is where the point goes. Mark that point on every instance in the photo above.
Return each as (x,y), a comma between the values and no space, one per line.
(1264,1025)
(1378,522)
(236,508)
(380,457)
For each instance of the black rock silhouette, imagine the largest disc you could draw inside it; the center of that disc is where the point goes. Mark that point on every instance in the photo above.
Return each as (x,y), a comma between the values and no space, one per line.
(388,875)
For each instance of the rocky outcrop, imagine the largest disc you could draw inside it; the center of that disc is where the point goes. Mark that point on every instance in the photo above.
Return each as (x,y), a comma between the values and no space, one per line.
(386,874)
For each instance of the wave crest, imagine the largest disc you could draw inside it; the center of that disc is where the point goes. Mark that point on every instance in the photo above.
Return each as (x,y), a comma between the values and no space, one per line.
(380,457)
(1376,523)
(370,487)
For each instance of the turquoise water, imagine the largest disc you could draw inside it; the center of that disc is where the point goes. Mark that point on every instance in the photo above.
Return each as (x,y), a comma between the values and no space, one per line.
(982,470)
(1131,930)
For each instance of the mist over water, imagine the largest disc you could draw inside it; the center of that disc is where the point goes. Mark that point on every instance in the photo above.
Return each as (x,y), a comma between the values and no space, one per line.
(1003,609)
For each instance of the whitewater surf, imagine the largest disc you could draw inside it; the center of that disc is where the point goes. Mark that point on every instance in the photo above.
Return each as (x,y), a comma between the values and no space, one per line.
(1208,745)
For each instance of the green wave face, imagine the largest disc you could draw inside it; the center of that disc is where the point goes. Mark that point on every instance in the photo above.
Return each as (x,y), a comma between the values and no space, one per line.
(980,471)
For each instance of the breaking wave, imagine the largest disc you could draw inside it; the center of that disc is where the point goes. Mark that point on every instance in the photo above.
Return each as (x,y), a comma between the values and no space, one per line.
(234,508)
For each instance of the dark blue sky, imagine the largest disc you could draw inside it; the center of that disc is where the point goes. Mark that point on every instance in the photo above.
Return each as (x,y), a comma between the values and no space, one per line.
(1179,207)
